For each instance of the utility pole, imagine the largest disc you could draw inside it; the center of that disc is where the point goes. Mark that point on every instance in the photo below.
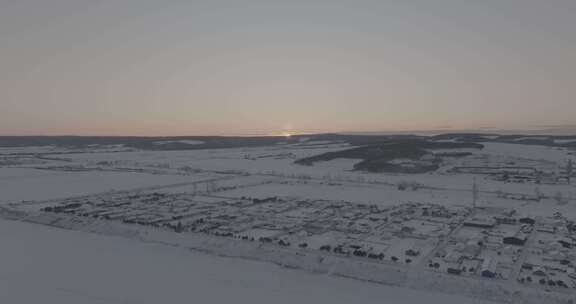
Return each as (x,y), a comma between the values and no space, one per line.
(474,193)
(569,169)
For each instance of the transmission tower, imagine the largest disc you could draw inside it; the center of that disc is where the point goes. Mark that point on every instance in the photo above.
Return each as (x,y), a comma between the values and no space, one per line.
(569,169)
(474,193)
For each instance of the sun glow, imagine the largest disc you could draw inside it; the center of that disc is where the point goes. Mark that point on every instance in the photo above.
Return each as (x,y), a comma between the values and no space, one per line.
(285,134)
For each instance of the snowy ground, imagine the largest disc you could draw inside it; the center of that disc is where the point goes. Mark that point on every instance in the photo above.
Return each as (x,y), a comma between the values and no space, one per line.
(18,184)
(40,264)
(279,160)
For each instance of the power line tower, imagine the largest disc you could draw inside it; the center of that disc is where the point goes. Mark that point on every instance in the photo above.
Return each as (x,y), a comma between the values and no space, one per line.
(474,193)
(569,170)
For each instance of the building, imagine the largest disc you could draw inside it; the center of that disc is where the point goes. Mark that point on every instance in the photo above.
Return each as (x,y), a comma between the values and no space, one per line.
(514,240)
(527,220)
(505,220)
(488,268)
(481,222)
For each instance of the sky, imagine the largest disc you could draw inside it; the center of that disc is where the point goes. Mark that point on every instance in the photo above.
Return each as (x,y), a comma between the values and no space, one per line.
(239,67)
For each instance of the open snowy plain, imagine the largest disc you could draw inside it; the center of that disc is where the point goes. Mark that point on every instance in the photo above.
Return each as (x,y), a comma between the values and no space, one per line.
(48,265)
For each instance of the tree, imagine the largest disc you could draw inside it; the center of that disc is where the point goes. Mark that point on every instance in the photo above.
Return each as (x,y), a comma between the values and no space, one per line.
(179,227)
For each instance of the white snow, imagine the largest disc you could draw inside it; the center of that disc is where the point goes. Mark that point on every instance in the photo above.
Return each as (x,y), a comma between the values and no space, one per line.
(564,141)
(18,184)
(40,264)
(526,151)
(76,267)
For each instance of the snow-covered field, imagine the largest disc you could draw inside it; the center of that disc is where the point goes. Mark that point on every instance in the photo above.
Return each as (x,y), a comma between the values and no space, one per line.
(257,165)
(280,160)
(18,184)
(77,267)
(40,264)
(523,151)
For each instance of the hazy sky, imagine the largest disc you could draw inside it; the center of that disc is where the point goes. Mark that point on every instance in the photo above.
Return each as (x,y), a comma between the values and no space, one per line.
(179,67)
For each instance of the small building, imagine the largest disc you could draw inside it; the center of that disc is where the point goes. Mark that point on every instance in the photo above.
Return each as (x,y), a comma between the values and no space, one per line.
(488,269)
(547,228)
(453,257)
(539,272)
(505,220)
(527,266)
(517,240)
(454,270)
(527,220)
(566,242)
(481,222)
(412,252)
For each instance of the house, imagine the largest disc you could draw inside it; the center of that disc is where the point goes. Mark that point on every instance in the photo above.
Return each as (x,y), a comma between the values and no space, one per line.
(505,220)
(566,242)
(527,220)
(481,222)
(518,240)
(488,268)
(412,252)
(527,266)
(454,268)
(453,257)
(548,228)
(539,273)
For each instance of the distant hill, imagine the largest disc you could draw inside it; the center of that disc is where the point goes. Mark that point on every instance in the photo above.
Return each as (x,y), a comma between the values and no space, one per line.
(220,142)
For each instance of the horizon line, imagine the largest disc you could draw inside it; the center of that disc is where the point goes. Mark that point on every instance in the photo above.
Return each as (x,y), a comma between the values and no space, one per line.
(424,132)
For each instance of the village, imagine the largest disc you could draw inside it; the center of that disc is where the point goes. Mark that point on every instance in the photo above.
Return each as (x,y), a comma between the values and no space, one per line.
(400,234)
(483,243)
(517,170)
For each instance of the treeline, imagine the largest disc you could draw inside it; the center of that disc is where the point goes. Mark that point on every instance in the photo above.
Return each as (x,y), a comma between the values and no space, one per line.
(377,158)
